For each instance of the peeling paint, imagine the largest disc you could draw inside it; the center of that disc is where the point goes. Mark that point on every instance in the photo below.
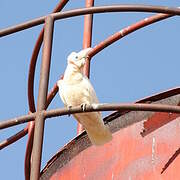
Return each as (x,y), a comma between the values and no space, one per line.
(153,150)
(112,176)
(127,29)
(121,32)
(84,175)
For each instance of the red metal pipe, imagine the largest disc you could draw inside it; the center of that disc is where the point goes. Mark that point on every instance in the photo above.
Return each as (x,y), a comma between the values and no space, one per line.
(113,107)
(33,61)
(105,43)
(35,53)
(125,31)
(52,93)
(151,99)
(96,107)
(87,39)
(87,36)
(83,11)
(14,138)
(31,100)
(42,96)
(27,160)
(24,131)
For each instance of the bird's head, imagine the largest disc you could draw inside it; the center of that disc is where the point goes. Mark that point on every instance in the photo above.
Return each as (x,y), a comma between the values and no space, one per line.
(78,59)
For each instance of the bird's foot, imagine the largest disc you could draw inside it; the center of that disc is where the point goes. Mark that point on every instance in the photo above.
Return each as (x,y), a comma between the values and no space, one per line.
(83,106)
(69,109)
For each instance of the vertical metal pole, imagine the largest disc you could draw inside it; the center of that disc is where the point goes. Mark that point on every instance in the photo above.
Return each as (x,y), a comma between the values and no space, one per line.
(42,96)
(87,38)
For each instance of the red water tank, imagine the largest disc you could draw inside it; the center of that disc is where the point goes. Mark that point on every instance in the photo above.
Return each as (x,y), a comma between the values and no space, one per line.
(128,156)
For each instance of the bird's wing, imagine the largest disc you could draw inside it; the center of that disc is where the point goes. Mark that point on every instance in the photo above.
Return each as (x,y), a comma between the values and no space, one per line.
(61,91)
(89,92)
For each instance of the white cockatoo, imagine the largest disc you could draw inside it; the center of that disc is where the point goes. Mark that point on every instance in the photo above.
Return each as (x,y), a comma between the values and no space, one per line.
(75,89)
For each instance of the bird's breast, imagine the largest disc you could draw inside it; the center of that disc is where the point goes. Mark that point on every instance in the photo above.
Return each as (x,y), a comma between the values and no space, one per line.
(75,94)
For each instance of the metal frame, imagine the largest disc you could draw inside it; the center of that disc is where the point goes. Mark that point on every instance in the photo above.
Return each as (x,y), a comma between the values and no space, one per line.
(35,127)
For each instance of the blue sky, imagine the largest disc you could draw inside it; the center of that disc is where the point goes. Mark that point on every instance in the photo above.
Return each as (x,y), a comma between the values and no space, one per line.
(141,64)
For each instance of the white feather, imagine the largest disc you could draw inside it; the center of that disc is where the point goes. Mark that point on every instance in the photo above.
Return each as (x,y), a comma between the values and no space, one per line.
(75,89)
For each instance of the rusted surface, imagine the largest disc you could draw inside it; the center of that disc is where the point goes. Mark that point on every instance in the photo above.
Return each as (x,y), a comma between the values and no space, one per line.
(151,99)
(31,100)
(87,36)
(128,156)
(113,158)
(157,121)
(125,31)
(42,96)
(122,108)
(13,138)
(116,121)
(100,9)
(170,97)
(97,49)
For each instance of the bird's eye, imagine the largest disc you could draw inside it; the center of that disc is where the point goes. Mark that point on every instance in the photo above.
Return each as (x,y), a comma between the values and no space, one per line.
(76,57)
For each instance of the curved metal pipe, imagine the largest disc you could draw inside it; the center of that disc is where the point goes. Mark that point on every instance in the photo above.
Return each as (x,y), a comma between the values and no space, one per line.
(97,49)
(83,11)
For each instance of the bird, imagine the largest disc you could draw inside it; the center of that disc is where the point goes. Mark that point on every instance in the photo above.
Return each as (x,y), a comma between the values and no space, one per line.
(76,89)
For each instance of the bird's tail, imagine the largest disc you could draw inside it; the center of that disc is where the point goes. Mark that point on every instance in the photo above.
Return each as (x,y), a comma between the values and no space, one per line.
(99,136)
(97,132)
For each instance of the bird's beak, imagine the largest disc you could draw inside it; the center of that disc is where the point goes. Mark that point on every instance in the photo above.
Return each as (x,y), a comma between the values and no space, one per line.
(85,52)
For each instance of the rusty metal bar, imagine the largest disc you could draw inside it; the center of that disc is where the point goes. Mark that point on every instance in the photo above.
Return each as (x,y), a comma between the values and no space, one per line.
(117,39)
(170,161)
(43,88)
(150,99)
(87,36)
(125,31)
(18,133)
(112,107)
(24,131)
(13,138)
(17,120)
(114,38)
(109,41)
(31,100)
(96,107)
(87,39)
(60,5)
(28,153)
(83,11)
(35,53)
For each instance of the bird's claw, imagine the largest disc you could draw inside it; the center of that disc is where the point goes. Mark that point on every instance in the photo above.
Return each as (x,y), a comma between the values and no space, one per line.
(83,106)
(69,109)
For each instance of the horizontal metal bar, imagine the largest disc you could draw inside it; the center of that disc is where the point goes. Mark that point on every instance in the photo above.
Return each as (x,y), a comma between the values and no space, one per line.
(92,108)
(17,120)
(83,11)
(13,138)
